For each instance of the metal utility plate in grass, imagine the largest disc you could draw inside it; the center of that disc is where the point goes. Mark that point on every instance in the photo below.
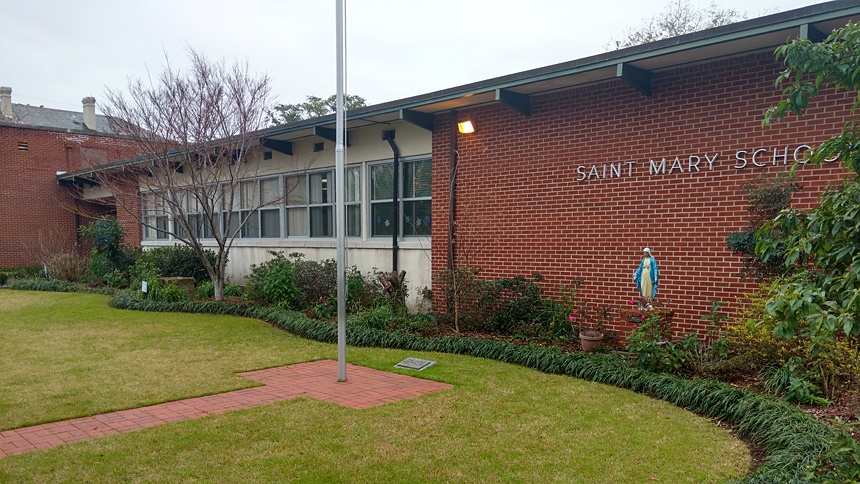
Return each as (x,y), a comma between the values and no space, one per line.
(415,364)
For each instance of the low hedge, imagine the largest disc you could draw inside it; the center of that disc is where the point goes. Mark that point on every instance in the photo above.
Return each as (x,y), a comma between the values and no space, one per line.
(793,440)
(55,285)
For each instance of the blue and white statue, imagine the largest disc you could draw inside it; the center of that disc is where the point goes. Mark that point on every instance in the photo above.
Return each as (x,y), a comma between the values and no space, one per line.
(647,276)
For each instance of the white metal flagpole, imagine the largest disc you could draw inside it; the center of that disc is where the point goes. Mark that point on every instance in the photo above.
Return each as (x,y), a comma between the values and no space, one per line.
(340,194)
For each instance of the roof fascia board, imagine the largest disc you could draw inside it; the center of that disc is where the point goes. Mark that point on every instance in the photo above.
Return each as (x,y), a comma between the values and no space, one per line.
(669,46)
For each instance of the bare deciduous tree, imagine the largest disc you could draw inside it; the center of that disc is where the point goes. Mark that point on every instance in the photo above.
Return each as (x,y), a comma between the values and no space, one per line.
(197,132)
(679,18)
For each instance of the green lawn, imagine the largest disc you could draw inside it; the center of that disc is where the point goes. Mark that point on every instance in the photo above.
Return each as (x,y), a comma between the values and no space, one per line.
(70,355)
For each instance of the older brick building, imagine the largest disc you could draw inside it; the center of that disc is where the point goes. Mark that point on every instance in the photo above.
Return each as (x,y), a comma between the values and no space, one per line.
(38,214)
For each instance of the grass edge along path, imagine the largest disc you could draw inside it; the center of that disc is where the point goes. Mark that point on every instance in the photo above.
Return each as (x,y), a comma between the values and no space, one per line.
(792,439)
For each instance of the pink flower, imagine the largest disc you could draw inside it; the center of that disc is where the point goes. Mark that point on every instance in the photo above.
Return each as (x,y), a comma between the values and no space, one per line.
(575,311)
(632,301)
(571,318)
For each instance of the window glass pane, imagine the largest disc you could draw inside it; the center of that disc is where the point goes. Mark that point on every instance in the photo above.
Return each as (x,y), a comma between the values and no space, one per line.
(251,229)
(416,218)
(296,190)
(321,222)
(163,224)
(230,197)
(353,220)
(322,188)
(250,194)
(207,230)
(381,219)
(297,222)
(381,182)
(234,224)
(270,223)
(353,185)
(191,203)
(153,204)
(177,229)
(194,224)
(416,179)
(148,231)
(269,191)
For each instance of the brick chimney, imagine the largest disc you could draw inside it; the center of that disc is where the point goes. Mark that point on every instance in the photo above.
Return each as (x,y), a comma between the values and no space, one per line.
(5,103)
(89,112)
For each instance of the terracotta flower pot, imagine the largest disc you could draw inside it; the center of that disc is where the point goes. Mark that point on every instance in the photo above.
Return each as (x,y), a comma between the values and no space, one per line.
(590,340)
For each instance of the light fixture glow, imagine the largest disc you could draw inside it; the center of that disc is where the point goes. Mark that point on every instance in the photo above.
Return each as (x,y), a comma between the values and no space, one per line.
(466,127)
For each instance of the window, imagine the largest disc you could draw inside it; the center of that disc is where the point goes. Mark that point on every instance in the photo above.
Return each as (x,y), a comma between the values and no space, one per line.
(231,202)
(415,200)
(257,204)
(191,207)
(415,204)
(381,196)
(296,190)
(310,204)
(250,200)
(270,210)
(353,202)
(155,219)
(321,186)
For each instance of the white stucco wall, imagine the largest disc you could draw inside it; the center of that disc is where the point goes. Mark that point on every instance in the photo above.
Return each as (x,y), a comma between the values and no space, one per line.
(365,252)
(413,257)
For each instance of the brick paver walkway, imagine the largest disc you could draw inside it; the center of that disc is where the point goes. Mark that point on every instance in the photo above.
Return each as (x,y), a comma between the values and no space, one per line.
(365,387)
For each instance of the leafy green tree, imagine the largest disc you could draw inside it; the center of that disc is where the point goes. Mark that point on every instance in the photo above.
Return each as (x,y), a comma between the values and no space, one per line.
(679,18)
(821,298)
(313,107)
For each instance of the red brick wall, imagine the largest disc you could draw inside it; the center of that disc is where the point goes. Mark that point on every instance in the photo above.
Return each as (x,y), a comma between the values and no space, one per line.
(36,213)
(522,210)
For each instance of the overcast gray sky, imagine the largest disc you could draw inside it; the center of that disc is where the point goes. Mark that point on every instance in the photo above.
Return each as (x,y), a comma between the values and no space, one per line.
(55,52)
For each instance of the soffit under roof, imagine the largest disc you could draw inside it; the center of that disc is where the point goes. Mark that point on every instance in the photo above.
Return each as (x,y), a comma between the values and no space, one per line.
(754,35)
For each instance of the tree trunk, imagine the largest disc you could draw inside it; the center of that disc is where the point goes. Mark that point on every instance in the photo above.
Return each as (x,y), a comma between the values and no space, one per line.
(394,285)
(219,287)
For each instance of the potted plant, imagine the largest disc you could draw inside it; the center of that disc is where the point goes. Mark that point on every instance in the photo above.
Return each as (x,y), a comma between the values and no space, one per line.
(591,337)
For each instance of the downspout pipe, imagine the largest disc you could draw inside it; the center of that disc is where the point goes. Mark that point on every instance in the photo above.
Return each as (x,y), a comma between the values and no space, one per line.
(395,246)
(452,189)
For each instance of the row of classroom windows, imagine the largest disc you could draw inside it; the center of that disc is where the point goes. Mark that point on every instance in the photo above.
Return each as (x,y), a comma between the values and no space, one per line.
(302,205)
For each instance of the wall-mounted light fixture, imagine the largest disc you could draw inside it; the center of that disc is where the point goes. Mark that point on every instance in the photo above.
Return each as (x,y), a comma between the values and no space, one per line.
(466,127)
